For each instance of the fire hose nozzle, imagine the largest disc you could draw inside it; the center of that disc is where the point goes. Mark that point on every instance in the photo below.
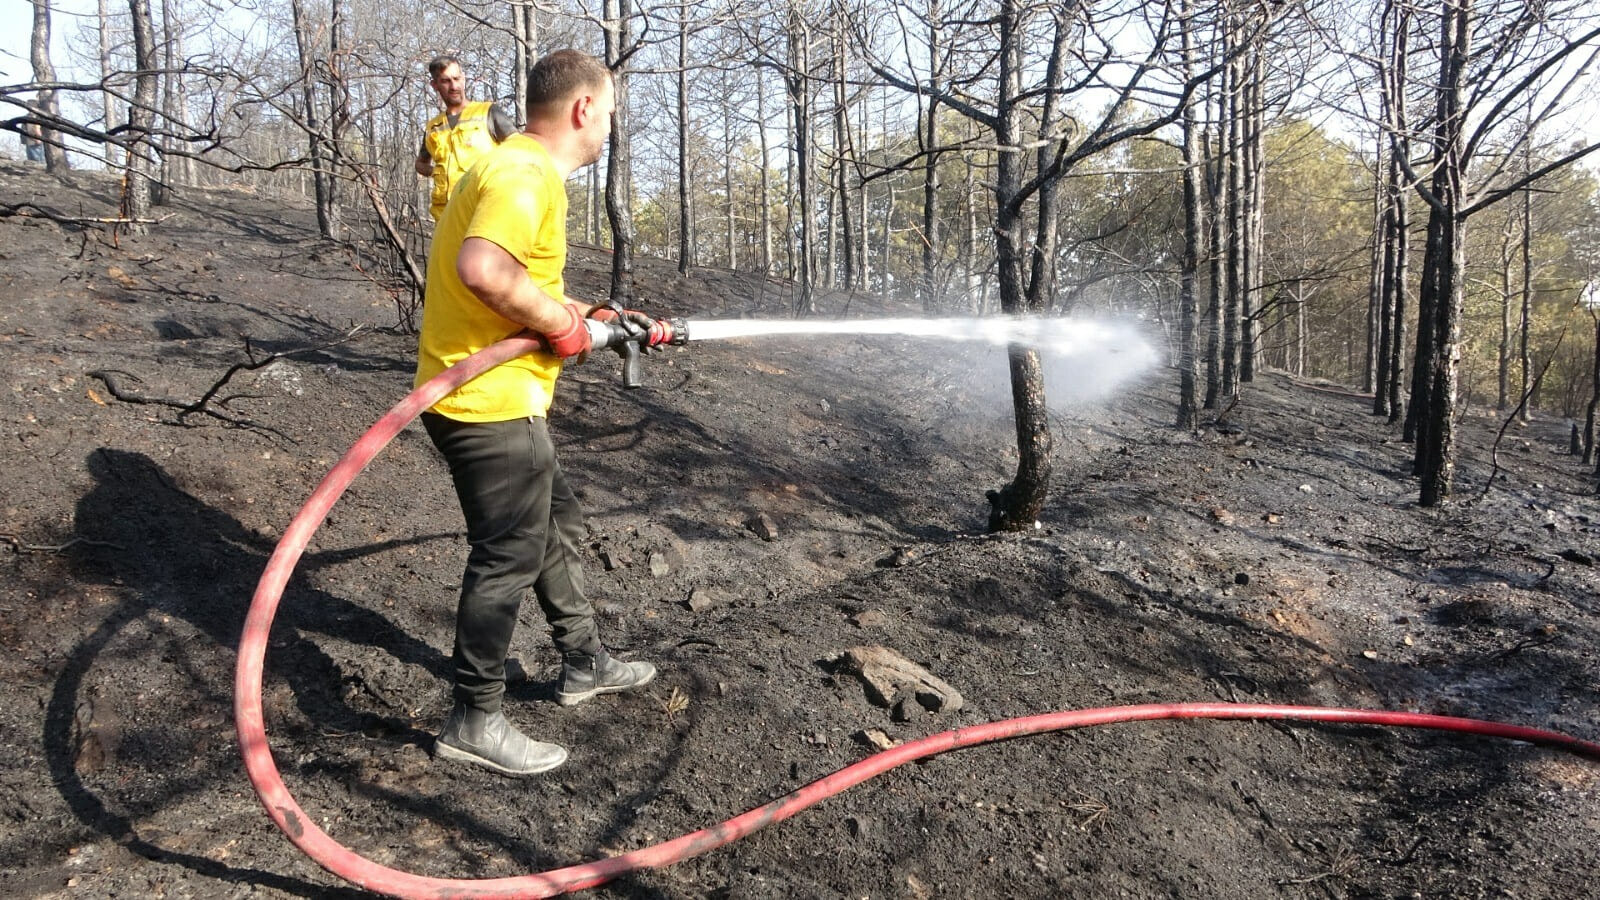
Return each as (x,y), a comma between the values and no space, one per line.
(627,341)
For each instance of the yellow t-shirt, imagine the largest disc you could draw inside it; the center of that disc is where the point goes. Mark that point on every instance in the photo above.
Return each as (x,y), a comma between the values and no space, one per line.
(514,197)
(455,148)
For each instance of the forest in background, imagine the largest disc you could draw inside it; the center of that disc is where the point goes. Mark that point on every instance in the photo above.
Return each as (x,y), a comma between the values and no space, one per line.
(1392,197)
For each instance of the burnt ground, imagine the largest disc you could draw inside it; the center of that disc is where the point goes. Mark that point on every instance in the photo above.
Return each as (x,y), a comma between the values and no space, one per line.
(1277,556)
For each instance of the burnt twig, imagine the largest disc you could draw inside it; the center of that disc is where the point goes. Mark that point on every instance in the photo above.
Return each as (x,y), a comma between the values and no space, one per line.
(1527,643)
(199,406)
(32,211)
(205,406)
(16,544)
(1494,452)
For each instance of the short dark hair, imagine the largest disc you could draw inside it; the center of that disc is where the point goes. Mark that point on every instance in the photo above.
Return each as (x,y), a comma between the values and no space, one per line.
(438,64)
(562,75)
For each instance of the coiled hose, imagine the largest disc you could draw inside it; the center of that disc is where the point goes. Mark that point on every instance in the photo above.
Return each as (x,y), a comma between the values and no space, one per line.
(347,864)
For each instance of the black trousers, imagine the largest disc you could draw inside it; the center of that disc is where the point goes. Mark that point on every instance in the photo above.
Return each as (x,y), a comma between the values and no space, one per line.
(524,527)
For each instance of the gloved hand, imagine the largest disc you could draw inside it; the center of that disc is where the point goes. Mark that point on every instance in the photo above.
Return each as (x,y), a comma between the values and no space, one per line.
(631,320)
(635,323)
(572,339)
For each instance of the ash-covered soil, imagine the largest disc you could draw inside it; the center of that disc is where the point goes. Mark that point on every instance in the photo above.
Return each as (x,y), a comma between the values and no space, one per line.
(1277,556)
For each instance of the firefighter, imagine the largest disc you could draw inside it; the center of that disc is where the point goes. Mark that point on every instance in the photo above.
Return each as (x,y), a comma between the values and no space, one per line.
(496,271)
(459,136)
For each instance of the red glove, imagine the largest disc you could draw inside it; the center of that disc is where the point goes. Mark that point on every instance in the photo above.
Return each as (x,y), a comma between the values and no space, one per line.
(631,319)
(634,322)
(571,339)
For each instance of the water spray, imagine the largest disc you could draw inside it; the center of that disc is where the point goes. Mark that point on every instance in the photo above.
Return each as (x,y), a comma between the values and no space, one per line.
(1053,336)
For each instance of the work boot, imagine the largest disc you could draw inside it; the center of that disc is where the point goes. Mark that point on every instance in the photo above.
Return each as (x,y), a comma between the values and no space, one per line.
(489,740)
(584,675)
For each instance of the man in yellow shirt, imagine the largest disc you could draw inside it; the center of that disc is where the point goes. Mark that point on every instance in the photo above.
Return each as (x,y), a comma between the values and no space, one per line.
(495,271)
(454,139)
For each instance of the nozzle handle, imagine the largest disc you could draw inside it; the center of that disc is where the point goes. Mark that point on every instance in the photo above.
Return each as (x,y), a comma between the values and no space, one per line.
(632,370)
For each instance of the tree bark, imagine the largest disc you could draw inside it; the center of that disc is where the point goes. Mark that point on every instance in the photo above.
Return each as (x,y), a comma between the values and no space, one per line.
(931,301)
(314,125)
(619,163)
(1250,213)
(1503,354)
(1377,323)
(1230,129)
(1188,302)
(844,161)
(685,213)
(1042,264)
(1216,239)
(766,186)
(1447,225)
(111,107)
(525,52)
(1017,506)
(1594,395)
(729,219)
(797,83)
(137,189)
(55,157)
(1526,356)
(338,90)
(176,168)
(1399,204)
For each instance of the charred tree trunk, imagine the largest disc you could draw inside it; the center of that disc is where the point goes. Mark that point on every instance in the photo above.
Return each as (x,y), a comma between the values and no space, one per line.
(1215,239)
(845,160)
(55,156)
(1377,322)
(685,212)
(1444,262)
(1042,264)
(619,162)
(1017,506)
(338,90)
(863,140)
(974,284)
(1427,333)
(1230,129)
(1594,395)
(138,188)
(315,126)
(1524,354)
(797,82)
(1398,239)
(112,107)
(525,51)
(1188,302)
(1396,353)
(729,218)
(765,179)
(177,168)
(1251,122)
(1503,354)
(931,301)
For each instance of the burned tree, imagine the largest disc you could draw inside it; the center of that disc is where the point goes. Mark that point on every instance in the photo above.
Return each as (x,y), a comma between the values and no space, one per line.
(1038,61)
(1527,53)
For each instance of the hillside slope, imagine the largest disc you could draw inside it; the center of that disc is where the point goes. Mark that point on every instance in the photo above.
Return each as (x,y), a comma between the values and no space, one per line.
(1277,557)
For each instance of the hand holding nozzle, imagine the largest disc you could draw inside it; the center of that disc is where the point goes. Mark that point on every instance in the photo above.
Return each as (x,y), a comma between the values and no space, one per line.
(572,338)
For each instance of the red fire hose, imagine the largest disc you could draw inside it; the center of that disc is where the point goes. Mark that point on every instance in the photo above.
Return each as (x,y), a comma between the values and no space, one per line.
(334,857)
